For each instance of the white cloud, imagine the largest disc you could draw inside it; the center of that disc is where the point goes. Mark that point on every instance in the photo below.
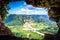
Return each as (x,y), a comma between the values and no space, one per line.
(29,10)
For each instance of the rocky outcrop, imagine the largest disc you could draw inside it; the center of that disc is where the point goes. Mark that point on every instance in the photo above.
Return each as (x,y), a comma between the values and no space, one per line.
(8,37)
(54,5)
(4,30)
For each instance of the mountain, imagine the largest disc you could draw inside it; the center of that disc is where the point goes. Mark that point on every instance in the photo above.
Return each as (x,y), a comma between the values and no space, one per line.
(14,19)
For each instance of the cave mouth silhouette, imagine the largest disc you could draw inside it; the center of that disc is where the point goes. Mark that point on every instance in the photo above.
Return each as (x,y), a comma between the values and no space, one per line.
(57,35)
(52,21)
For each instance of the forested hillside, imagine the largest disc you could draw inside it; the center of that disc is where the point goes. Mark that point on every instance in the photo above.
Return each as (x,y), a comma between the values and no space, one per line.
(13,19)
(39,23)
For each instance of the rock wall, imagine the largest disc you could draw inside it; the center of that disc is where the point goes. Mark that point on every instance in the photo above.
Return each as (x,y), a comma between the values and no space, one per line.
(54,5)
(4,30)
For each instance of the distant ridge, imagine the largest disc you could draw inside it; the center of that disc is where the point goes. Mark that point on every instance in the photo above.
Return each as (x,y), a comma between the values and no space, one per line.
(21,18)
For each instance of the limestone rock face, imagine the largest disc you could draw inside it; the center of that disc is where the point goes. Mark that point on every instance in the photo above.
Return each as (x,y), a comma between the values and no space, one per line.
(54,5)
(44,3)
(54,13)
(4,30)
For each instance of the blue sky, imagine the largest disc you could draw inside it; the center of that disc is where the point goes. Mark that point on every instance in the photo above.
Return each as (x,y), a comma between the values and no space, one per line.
(23,8)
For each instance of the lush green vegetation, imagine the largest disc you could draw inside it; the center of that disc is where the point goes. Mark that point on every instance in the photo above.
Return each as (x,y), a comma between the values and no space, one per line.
(46,28)
(41,27)
(23,33)
(39,22)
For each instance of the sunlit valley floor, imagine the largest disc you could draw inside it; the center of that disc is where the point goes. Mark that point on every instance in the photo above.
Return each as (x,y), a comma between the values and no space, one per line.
(31,26)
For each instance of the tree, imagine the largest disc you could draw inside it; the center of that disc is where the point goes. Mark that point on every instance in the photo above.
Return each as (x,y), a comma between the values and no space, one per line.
(53,7)
(3,9)
(3,13)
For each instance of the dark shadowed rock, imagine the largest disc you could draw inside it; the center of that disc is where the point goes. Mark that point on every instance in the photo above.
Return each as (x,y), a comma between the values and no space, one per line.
(7,37)
(43,3)
(4,30)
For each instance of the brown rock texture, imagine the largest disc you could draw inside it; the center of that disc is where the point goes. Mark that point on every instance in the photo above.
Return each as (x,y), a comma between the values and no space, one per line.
(53,7)
(8,37)
(53,12)
(4,30)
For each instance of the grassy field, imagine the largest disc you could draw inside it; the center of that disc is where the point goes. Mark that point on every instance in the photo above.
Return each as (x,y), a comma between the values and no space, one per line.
(23,34)
(43,28)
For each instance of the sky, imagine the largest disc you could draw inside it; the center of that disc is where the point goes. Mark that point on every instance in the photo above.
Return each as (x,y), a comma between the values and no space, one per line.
(23,8)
